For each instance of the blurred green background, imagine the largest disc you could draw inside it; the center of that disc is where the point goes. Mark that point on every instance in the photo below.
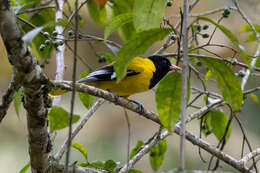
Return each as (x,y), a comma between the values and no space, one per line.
(105,134)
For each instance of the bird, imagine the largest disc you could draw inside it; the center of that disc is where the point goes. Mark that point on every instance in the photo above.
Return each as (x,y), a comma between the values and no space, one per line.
(142,75)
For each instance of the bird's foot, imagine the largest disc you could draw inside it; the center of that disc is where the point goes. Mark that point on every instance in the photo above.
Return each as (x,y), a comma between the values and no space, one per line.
(116,97)
(140,106)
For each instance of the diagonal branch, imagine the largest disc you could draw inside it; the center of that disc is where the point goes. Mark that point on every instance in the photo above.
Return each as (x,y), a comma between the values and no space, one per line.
(154,117)
(78,127)
(8,97)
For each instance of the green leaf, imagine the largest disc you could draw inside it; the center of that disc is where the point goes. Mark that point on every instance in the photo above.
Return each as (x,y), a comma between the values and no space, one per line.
(232,38)
(208,76)
(17,101)
(217,123)
(148,14)
(110,165)
(86,99)
(157,154)
(80,148)
(257,64)
(109,58)
(168,99)
(117,22)
(247,28)
(83,164)
(98,14)
(251,38)
(25,168)
(59,118)
(254,98)
(134,171)
(98,164)
(227,82)
(137,45)
(119,7)
(28,37)
(139,144)
(44,18)
(62,22)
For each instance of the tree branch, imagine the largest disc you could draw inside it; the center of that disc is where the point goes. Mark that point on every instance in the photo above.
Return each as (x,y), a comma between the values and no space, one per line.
(78,127)
(8,97)
(154,117)
(60,67)
(28,73)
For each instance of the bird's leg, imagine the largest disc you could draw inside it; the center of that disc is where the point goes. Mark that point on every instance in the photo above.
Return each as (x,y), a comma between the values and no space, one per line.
(140,106)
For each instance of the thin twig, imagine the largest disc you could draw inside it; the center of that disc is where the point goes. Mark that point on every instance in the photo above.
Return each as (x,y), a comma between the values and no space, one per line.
(36,9)
(73,87)
(128,137)
(185,67)
(8,97)
(78,127)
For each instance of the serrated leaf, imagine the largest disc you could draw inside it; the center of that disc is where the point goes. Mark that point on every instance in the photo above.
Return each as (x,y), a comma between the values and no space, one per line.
(28,37)
(217,122)
(208,76)
(232,38)
(86,99)
(80,148)
(247,28)
(117,22)
(110,165)
(157,154)
(59,118)
(227,82)
(139,144)
(168,99)
(25,168)
(17,101)
(148,14)
(254,98)
(137,45)
(98,14)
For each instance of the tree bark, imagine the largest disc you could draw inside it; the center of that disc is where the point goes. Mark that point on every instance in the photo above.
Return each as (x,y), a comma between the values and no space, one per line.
(28,73)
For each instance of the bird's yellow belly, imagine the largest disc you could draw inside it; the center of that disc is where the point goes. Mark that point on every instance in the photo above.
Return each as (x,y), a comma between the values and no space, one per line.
(126,87)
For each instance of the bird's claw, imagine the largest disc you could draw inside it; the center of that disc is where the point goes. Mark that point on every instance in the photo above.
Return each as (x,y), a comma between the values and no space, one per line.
(140,106)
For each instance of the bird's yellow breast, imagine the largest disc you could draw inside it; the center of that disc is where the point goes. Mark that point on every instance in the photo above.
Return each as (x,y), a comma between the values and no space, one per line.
(130,84)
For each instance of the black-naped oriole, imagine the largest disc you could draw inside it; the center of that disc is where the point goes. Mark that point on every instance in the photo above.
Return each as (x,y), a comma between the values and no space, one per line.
(142,75)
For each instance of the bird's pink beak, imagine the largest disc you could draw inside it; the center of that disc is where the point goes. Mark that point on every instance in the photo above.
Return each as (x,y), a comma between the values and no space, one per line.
(175,68)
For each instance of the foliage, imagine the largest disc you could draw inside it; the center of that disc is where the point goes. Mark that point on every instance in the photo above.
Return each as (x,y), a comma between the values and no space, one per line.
(86,99)
(59,118)
(140,24)
(168,100)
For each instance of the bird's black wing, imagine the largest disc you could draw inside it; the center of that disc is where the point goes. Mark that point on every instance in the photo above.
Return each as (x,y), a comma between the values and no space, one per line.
(105,73)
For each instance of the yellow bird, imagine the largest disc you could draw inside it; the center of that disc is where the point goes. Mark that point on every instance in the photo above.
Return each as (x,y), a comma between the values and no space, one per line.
(142,75)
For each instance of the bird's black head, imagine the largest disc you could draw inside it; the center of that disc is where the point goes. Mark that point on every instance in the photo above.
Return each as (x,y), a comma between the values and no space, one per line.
(163,66)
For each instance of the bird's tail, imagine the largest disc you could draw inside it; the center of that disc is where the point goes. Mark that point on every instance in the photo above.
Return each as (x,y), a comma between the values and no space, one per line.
(57,92)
